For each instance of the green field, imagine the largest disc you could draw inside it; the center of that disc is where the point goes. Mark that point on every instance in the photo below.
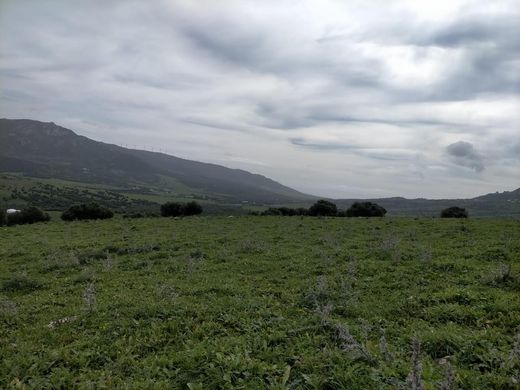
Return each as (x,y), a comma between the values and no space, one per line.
(261,302)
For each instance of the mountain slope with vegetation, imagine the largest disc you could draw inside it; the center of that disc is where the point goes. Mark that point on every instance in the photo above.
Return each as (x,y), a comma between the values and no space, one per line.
(46,150)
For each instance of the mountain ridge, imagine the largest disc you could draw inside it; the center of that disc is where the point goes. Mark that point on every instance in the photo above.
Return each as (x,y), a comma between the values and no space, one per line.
(47,150)
(44,149)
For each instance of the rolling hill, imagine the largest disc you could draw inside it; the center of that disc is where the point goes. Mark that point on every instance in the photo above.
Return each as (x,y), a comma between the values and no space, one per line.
(51,166)
(46,150)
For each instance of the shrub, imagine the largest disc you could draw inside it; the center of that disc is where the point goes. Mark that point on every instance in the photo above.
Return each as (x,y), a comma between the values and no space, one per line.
(272,211)
(323,208)
(176,209)
(366,209)
(3,218)
(302,211)
(171,209)
(192,208)
(454,212)
(28,215)
(86,211)
(20,283)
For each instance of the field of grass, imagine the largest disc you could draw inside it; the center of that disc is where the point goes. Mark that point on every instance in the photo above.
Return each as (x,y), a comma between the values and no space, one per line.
(261,302)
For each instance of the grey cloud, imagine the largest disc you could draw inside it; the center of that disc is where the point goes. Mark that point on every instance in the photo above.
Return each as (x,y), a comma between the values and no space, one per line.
(273,73)
(464,154)
(368,152)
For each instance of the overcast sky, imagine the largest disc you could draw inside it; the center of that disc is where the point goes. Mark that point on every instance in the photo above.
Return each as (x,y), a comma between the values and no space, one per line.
(334,98)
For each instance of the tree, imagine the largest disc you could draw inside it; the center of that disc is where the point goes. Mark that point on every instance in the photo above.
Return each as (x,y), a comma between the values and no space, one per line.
(171,209)
(86,211)
(192,208)
(454,212)
(323,208)
(176,209)
(366,209)
(272,211)
(29,215)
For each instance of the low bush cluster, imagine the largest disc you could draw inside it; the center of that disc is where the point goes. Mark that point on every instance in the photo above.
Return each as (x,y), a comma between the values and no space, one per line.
(325,208)
(454,212)
(366,209)
(86,211)
(25,216)
(177,209)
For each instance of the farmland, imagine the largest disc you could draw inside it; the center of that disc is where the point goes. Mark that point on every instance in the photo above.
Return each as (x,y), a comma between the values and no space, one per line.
(261,302)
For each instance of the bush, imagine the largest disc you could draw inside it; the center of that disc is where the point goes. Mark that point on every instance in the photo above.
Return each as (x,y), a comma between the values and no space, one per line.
(366,209)
(192,208)
(176,209)
(454,212)
(86,211)
(323,208)
(28,215)
(171,209)
(272,211)
(20,283)
(3,218)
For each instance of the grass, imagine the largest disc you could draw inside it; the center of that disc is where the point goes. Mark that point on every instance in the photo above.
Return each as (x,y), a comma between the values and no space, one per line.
(261,302)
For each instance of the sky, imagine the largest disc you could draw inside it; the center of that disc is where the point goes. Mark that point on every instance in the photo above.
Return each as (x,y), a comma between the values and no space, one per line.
(340,99)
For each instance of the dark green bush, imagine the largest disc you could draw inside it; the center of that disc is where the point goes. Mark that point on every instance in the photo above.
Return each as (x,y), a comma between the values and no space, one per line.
(20,283)
(365,209)
(28,215)
(171,209)
(192,208)
(176,209)
(86,211)
(323,208)
(454,212)
(272,211)
(3,218)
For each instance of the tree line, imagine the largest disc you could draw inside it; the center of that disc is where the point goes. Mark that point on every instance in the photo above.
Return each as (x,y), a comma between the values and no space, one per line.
(322,208)
(325,208)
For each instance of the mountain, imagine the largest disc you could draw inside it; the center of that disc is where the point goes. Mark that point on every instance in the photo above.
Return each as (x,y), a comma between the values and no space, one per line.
(46,150)
(129,179)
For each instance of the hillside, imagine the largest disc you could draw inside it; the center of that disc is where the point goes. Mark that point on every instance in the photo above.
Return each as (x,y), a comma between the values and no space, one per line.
(52,167)
(504,204)
(46,150)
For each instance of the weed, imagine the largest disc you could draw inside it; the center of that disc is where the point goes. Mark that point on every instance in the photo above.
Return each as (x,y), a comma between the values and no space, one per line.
(251,247)
(350,345)
(8,309)
(449,378)
(89,296)
(20,283)
(86,275)
(414,379)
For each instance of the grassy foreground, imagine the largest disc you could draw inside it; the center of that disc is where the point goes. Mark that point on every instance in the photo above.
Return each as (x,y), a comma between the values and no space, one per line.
(261,302)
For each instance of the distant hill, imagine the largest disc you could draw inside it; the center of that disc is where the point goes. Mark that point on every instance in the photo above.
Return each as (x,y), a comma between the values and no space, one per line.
(34,154)
(46,150)
(503,204)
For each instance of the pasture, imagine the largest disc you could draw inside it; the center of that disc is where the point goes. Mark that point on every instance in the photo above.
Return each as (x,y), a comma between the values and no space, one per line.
(261,302)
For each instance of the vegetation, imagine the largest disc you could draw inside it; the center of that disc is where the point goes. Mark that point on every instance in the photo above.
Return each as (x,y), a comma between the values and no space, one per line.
(253,303)
(177,209)
(86,211)
(192,208)
(454,212)
(365,209)
(283,211)
(27,216)
(3,217)
(323,208)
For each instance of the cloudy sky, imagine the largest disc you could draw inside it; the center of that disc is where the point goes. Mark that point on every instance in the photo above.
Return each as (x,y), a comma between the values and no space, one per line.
(334,98)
